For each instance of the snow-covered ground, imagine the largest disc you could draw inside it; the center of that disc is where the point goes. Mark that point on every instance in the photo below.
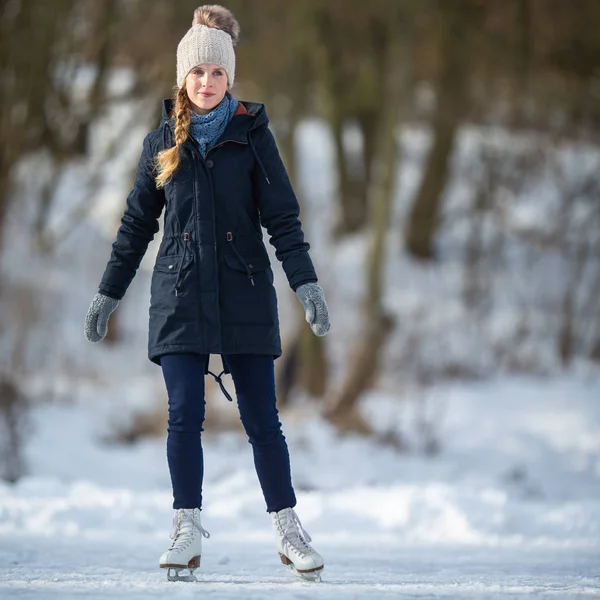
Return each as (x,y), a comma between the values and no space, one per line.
(511,506)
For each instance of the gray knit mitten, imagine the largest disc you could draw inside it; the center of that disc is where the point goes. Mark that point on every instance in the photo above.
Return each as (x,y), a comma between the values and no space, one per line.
(96,320)
(315,307)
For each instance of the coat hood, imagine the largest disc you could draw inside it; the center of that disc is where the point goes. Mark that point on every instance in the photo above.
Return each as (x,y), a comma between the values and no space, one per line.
(248,117)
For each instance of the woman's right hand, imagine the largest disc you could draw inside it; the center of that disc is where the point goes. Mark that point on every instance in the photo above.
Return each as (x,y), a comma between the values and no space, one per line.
(96,320)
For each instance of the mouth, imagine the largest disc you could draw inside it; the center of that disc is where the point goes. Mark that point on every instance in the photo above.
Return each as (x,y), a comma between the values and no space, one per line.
(206,95)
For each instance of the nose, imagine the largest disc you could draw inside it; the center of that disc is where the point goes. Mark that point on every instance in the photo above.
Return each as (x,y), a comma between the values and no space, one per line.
(206,80)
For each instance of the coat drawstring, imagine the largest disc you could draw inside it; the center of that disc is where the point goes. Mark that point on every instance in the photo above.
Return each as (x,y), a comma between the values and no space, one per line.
(262,168)
(218,378)
(186,238)
(248,271)
(220,382)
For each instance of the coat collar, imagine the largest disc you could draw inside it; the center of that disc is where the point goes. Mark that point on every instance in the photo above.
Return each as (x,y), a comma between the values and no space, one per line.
(248,116)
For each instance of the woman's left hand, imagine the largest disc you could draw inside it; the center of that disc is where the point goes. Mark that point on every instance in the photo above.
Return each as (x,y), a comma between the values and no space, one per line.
(315,307)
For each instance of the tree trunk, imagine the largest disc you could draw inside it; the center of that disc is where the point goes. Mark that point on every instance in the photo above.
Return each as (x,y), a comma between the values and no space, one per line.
(451,100)
(304,362)
(339,88)
(351,202)
(364,363)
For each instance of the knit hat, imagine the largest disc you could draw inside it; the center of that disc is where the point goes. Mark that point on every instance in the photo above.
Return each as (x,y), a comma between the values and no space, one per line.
(211,39)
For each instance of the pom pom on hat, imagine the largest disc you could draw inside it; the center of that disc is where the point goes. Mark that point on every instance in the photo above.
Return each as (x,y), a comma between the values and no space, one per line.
(219,17)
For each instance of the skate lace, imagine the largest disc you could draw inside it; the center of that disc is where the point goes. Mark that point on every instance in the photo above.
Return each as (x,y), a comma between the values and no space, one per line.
(182,537)
(293,533)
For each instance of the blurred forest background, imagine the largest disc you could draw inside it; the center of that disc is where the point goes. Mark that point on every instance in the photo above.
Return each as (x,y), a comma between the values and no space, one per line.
(460,237)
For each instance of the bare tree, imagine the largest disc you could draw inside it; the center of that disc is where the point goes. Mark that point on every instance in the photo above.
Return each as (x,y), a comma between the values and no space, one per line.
(455,22)
(395,47)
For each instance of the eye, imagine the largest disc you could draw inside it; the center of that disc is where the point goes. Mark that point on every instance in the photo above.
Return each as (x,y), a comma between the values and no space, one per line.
(218,73)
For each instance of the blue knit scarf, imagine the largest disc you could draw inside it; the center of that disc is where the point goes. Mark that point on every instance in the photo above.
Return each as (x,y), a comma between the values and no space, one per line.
(207,129)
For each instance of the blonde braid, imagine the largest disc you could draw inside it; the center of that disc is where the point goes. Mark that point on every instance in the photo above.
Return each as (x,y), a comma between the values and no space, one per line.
(168,160)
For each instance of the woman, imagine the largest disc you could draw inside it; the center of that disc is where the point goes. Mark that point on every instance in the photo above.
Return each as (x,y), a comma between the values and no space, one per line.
(214,167)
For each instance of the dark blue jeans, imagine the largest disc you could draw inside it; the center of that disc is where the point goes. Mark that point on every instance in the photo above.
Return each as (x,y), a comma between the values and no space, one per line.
(254,380)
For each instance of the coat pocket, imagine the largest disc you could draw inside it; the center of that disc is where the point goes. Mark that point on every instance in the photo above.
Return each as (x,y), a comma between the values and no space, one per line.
(246,292)
(255,263)
(171,264)
(170,275)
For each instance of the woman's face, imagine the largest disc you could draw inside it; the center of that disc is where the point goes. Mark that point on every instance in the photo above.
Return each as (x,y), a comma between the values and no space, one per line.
(206,86)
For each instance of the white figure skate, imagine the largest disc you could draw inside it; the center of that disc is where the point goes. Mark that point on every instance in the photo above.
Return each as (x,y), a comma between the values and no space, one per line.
(186,549)
(292,544)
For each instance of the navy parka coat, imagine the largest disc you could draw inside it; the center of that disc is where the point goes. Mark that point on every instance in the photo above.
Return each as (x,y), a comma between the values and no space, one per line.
(212,285)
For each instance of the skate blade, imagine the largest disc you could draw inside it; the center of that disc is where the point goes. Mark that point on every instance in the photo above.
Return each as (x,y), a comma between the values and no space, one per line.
(177,577)
(313,575)
(191,567)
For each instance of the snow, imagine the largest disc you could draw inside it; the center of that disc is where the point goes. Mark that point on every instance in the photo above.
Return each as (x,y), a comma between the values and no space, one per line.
(511,506)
